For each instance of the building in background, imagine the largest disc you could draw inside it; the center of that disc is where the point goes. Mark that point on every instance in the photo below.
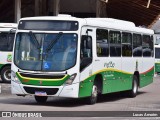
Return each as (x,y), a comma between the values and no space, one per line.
(142,12)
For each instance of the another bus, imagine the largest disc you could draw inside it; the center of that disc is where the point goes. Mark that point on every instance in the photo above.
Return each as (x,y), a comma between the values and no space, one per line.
(157,52)
(7,33)
(80,58)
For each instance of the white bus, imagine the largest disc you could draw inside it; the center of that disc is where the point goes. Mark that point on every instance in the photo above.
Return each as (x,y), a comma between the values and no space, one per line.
(6,45)
(71,57)
(157,52)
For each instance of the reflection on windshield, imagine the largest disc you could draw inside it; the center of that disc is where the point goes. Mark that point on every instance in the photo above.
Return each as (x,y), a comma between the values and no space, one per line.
(157,53)
(61,56)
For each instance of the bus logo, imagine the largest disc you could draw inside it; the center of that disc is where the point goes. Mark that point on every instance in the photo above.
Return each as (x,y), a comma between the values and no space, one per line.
(109,65)
(9,58)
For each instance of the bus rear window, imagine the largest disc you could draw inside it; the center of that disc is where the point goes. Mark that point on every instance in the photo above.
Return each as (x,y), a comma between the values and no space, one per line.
(48,25)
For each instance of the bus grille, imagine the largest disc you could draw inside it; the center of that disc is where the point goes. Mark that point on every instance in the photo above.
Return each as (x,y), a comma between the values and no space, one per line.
(49,91)
(44,76)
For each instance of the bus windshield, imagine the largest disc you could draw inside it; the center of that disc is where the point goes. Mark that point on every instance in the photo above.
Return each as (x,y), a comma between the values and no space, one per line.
(157,53)
(45,51)
(6,41)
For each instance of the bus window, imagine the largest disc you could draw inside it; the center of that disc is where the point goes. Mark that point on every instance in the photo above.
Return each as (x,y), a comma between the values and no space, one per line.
(126,44)
(7,41)
(137,45)
(86,51)
(147,46)
(152,45)
(115,43)
(102,43)
(157,53)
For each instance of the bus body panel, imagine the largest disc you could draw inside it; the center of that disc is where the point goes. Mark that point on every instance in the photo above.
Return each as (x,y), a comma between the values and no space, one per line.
(148,71)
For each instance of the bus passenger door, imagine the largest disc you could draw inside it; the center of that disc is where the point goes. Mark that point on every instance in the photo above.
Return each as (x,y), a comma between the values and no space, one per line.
(86,79)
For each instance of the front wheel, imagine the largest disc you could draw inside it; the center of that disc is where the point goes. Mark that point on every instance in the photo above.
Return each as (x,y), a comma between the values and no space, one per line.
(93,98)
(41,99)
(133,92)
(6,74)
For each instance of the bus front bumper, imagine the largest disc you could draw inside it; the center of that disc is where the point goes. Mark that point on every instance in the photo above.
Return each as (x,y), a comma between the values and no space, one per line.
(70,91)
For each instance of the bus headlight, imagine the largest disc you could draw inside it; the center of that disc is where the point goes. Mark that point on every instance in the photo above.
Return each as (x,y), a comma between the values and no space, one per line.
(71,79)
(14,77)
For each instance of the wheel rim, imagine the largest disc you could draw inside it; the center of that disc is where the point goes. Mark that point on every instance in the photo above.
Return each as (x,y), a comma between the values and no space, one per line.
(7,75)
(135,87)
(94,91)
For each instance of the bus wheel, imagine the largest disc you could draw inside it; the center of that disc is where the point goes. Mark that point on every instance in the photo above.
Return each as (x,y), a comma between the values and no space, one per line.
(134,91)
(41,99)
(93,98)
(6,74)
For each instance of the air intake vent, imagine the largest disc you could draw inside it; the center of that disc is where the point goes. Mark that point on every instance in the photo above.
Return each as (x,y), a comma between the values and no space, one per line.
(49,91)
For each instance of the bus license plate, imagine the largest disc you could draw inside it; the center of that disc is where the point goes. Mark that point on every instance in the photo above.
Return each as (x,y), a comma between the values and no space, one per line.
(40,93)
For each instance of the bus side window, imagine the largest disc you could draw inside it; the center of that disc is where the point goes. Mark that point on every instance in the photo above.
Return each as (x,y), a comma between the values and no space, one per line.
(86,51)
(137,45)
(147,46)
(3,38)
(126,44)
(102,42)
(152,45)
(115,43)
(10,41)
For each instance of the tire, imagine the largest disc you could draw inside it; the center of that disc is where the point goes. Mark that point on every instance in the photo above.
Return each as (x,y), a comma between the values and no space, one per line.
(93,98)
(6,74)
(41,99)
(133,92)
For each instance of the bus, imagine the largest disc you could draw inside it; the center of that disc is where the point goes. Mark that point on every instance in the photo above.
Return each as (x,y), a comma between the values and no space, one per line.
(157,52)
(72,57)
(7,33)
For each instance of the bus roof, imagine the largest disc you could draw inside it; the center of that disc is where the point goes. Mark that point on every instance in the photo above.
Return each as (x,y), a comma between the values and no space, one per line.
(5,27)
(8,25)
(118,25)
(98,22)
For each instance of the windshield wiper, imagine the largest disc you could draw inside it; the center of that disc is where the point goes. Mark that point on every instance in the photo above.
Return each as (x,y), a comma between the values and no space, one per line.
(53,42)
(34,39)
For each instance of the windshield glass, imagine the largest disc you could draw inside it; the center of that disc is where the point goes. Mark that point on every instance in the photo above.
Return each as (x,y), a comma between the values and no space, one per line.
(6,41)
(45,52)
(157,53)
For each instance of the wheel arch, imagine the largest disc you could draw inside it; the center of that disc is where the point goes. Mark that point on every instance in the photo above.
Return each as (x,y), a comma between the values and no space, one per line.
(136,73)
(4,66)
(99,82)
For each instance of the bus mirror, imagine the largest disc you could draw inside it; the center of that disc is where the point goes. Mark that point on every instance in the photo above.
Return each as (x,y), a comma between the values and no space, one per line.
(13,30)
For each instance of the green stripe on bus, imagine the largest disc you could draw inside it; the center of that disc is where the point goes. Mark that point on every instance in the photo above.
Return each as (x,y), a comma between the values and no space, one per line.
(44,82)
(157,67)
(114,81)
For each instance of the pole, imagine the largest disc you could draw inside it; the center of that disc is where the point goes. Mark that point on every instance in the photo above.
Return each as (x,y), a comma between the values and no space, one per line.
(17,10)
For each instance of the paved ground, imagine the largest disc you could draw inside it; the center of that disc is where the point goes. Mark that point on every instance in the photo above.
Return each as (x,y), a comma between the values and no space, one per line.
(148,99)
